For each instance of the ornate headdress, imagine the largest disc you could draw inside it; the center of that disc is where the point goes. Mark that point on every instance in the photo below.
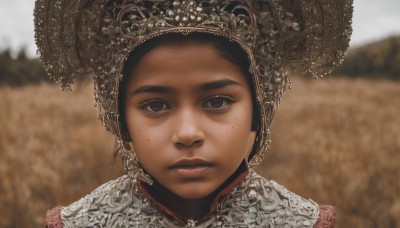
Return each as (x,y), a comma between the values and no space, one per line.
(79,37)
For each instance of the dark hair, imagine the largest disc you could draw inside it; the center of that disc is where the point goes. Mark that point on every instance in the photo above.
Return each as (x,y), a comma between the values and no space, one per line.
(226,48)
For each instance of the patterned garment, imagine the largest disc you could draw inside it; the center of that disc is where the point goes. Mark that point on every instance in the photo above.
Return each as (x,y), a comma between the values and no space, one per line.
(255,202)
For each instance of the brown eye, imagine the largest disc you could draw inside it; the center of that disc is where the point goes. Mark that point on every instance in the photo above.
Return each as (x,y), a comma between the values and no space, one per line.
(217,102)
(156,106)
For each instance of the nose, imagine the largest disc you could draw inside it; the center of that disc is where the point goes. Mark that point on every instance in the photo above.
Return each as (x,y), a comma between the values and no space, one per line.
(188,132)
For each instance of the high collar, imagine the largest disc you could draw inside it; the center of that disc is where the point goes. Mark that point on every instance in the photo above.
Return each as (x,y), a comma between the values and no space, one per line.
(160,196)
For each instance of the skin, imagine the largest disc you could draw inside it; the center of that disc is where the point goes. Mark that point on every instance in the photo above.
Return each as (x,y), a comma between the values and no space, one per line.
(189,113)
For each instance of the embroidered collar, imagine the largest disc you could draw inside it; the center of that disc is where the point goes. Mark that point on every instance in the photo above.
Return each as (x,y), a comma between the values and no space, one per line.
(254,202)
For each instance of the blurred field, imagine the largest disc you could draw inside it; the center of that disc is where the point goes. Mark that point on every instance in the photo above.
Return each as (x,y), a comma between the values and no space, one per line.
(336,141)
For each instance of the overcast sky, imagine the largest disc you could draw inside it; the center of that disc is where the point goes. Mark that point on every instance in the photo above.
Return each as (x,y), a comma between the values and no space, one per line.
(373,20)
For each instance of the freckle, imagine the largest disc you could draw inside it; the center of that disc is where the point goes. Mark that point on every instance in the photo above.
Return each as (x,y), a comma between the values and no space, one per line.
(233,127)
(148,140)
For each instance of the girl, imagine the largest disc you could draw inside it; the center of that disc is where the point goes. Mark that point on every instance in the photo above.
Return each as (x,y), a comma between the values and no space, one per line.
(189,89)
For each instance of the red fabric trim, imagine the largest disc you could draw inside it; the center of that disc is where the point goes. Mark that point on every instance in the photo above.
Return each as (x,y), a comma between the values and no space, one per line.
(224,192)
(327,217)
(163,208)
(53,218)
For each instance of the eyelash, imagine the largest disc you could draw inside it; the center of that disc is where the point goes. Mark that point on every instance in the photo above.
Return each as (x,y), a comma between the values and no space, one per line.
(146,106)
(226,101)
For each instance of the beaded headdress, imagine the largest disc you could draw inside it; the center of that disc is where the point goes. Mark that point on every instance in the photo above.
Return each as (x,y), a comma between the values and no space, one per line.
(95,37)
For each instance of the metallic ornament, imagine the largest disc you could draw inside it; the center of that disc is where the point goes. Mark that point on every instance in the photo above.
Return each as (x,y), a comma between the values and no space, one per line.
(80,37)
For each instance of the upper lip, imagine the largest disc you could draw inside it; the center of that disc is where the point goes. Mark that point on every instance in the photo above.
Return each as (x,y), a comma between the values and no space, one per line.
(190,162)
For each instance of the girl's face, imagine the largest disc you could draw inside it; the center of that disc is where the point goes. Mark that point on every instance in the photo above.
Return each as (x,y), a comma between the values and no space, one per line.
(189,114)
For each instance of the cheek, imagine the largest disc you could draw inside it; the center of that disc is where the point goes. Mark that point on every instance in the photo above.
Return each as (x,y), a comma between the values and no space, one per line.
(242,120)
(146,139)
(145,147)
(138,132)
(236,136)
(141,136)
(241,129)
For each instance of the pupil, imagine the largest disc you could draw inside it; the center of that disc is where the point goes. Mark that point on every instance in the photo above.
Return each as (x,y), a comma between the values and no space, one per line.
(156,106)
(216,103)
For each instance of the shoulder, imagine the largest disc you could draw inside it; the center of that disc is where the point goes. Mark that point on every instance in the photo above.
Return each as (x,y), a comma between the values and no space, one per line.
(111,195)
(110,198)
(53,218)
(272,205)
(327,216)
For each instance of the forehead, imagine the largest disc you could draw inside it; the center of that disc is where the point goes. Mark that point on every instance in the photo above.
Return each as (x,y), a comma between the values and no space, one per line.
(186,56)
(227,48)
(188,62)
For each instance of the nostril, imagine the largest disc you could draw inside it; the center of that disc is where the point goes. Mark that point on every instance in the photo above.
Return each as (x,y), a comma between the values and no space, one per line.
(196,143)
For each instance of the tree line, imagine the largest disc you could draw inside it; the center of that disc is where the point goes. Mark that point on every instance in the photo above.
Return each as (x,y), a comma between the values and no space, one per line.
(20,70)
(379,60)
(376,60)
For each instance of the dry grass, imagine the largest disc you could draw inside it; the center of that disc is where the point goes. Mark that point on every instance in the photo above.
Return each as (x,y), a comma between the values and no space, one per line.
(335,141)
(53,150)
(338,142)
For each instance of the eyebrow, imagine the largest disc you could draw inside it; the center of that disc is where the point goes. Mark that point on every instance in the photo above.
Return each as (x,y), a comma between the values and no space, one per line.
(218,84)
(167,90)
(152,89)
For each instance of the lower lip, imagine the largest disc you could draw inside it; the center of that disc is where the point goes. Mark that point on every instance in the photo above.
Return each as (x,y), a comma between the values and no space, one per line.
(191,172)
